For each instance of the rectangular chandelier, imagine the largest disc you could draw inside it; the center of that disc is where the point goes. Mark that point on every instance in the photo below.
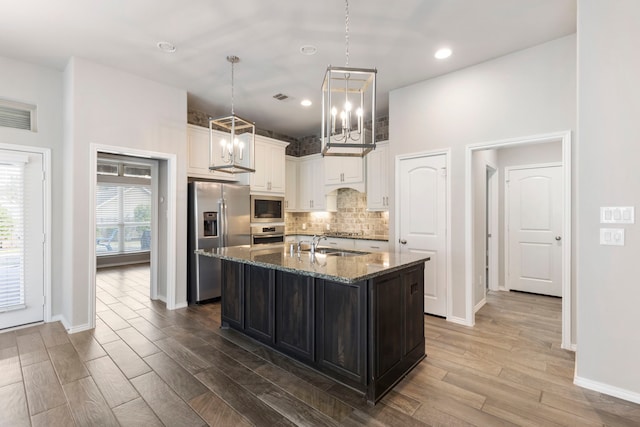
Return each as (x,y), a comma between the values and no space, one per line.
(236,145)
(348,107)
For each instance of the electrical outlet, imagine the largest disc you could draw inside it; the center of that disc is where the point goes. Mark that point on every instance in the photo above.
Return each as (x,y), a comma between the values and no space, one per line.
(612,236)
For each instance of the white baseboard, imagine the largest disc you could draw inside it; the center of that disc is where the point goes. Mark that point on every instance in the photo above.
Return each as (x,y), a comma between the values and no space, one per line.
(70,329)
(60,318)
(81,328)
(480,305)
(182,304)
(607,389)
(459,320)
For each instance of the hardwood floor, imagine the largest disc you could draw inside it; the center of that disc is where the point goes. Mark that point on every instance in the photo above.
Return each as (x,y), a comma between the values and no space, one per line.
(144,365)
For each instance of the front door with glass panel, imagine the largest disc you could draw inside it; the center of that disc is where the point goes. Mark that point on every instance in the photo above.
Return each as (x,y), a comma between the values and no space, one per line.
(22,218)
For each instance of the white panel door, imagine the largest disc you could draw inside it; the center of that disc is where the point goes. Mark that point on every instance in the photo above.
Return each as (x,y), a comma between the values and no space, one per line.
(422,213)
(534,218)
(21,238)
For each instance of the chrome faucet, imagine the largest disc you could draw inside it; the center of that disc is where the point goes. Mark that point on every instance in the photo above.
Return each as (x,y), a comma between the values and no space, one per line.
(315,243)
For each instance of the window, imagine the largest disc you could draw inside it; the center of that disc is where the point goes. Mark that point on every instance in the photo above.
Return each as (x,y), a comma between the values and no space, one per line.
(123,207)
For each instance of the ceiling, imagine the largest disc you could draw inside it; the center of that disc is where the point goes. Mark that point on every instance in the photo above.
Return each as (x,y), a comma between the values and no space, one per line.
(398,38)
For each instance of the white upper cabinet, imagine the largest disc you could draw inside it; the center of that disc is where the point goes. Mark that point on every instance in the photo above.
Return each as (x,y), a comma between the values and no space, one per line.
(311,188)
(378,177)
(344,172)
(269,176)
(198,160)
(291,184)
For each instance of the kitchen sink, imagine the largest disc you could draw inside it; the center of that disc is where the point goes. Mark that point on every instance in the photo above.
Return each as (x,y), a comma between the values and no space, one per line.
(339,252)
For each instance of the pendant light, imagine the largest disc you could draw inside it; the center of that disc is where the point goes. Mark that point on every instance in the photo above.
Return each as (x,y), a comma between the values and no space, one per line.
(348,99)
(238,142)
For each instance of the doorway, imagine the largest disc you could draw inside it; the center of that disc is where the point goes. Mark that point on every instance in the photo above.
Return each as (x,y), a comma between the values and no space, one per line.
(163,237)
(564,140)
(25,230)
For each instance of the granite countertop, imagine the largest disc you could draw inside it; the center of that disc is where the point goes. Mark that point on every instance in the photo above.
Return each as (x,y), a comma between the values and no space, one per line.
(349,269)
(342,236)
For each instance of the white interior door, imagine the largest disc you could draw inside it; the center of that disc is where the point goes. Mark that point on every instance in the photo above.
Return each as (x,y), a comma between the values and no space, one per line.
(21,238)
(422,213)
(534,217)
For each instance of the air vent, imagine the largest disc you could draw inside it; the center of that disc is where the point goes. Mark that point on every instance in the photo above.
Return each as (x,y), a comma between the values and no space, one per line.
(17,115)
(280,96)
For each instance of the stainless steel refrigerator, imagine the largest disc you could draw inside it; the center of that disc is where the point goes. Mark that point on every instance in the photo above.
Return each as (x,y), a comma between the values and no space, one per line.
(218,216)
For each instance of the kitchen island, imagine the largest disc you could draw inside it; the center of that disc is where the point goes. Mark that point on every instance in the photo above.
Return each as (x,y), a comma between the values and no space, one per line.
(356,317)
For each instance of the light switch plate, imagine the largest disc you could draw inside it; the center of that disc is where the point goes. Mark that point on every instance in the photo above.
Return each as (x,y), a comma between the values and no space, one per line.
(617,215)
(612,236)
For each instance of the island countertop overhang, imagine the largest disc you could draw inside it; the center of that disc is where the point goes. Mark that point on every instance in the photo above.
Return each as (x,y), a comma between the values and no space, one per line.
(339,269)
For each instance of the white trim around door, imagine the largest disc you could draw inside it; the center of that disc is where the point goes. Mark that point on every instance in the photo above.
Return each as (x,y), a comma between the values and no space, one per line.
(565,138)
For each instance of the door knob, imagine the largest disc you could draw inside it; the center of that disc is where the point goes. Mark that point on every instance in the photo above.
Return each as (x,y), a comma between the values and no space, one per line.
(402,241)
(558,238)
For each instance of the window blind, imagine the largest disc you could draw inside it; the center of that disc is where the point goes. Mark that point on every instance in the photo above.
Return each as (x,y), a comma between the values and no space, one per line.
(11,235)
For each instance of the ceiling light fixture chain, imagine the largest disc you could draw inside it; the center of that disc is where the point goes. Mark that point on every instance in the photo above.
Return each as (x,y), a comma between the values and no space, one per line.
(346,31)
(234,60)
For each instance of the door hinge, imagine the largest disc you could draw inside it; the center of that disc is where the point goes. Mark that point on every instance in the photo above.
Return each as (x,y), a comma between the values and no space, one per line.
(443,171)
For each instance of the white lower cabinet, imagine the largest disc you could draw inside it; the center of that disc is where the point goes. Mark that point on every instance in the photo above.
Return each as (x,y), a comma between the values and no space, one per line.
(371,245)
(336,242)
(344,243)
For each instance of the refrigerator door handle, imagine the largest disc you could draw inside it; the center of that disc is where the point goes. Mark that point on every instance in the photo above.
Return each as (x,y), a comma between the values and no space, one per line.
(222,222)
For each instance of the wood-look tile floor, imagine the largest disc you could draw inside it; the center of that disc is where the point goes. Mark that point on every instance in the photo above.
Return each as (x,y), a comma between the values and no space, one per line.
(146,366)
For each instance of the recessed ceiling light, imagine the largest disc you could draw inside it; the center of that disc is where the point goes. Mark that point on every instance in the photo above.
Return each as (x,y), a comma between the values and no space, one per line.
(166,47)
(308,49)
(305,103)
(443,53)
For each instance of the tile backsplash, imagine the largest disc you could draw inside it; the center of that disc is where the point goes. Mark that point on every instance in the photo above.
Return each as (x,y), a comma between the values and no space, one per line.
(351,217)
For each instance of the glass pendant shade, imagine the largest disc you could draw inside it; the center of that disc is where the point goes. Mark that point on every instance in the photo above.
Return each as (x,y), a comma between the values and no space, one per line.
(348,111)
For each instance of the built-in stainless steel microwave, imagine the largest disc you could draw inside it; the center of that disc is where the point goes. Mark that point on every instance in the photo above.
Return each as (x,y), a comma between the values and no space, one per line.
(267,208)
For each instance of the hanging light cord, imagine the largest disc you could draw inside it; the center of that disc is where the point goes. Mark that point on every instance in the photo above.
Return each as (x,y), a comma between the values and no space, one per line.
(346,30)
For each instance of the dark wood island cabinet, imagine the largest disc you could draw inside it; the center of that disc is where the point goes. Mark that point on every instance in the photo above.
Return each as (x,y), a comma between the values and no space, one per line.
(363,327)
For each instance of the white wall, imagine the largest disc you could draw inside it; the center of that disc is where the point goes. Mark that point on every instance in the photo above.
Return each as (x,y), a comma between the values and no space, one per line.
(609,157)
(526,93)
(41,86)
(109,107)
